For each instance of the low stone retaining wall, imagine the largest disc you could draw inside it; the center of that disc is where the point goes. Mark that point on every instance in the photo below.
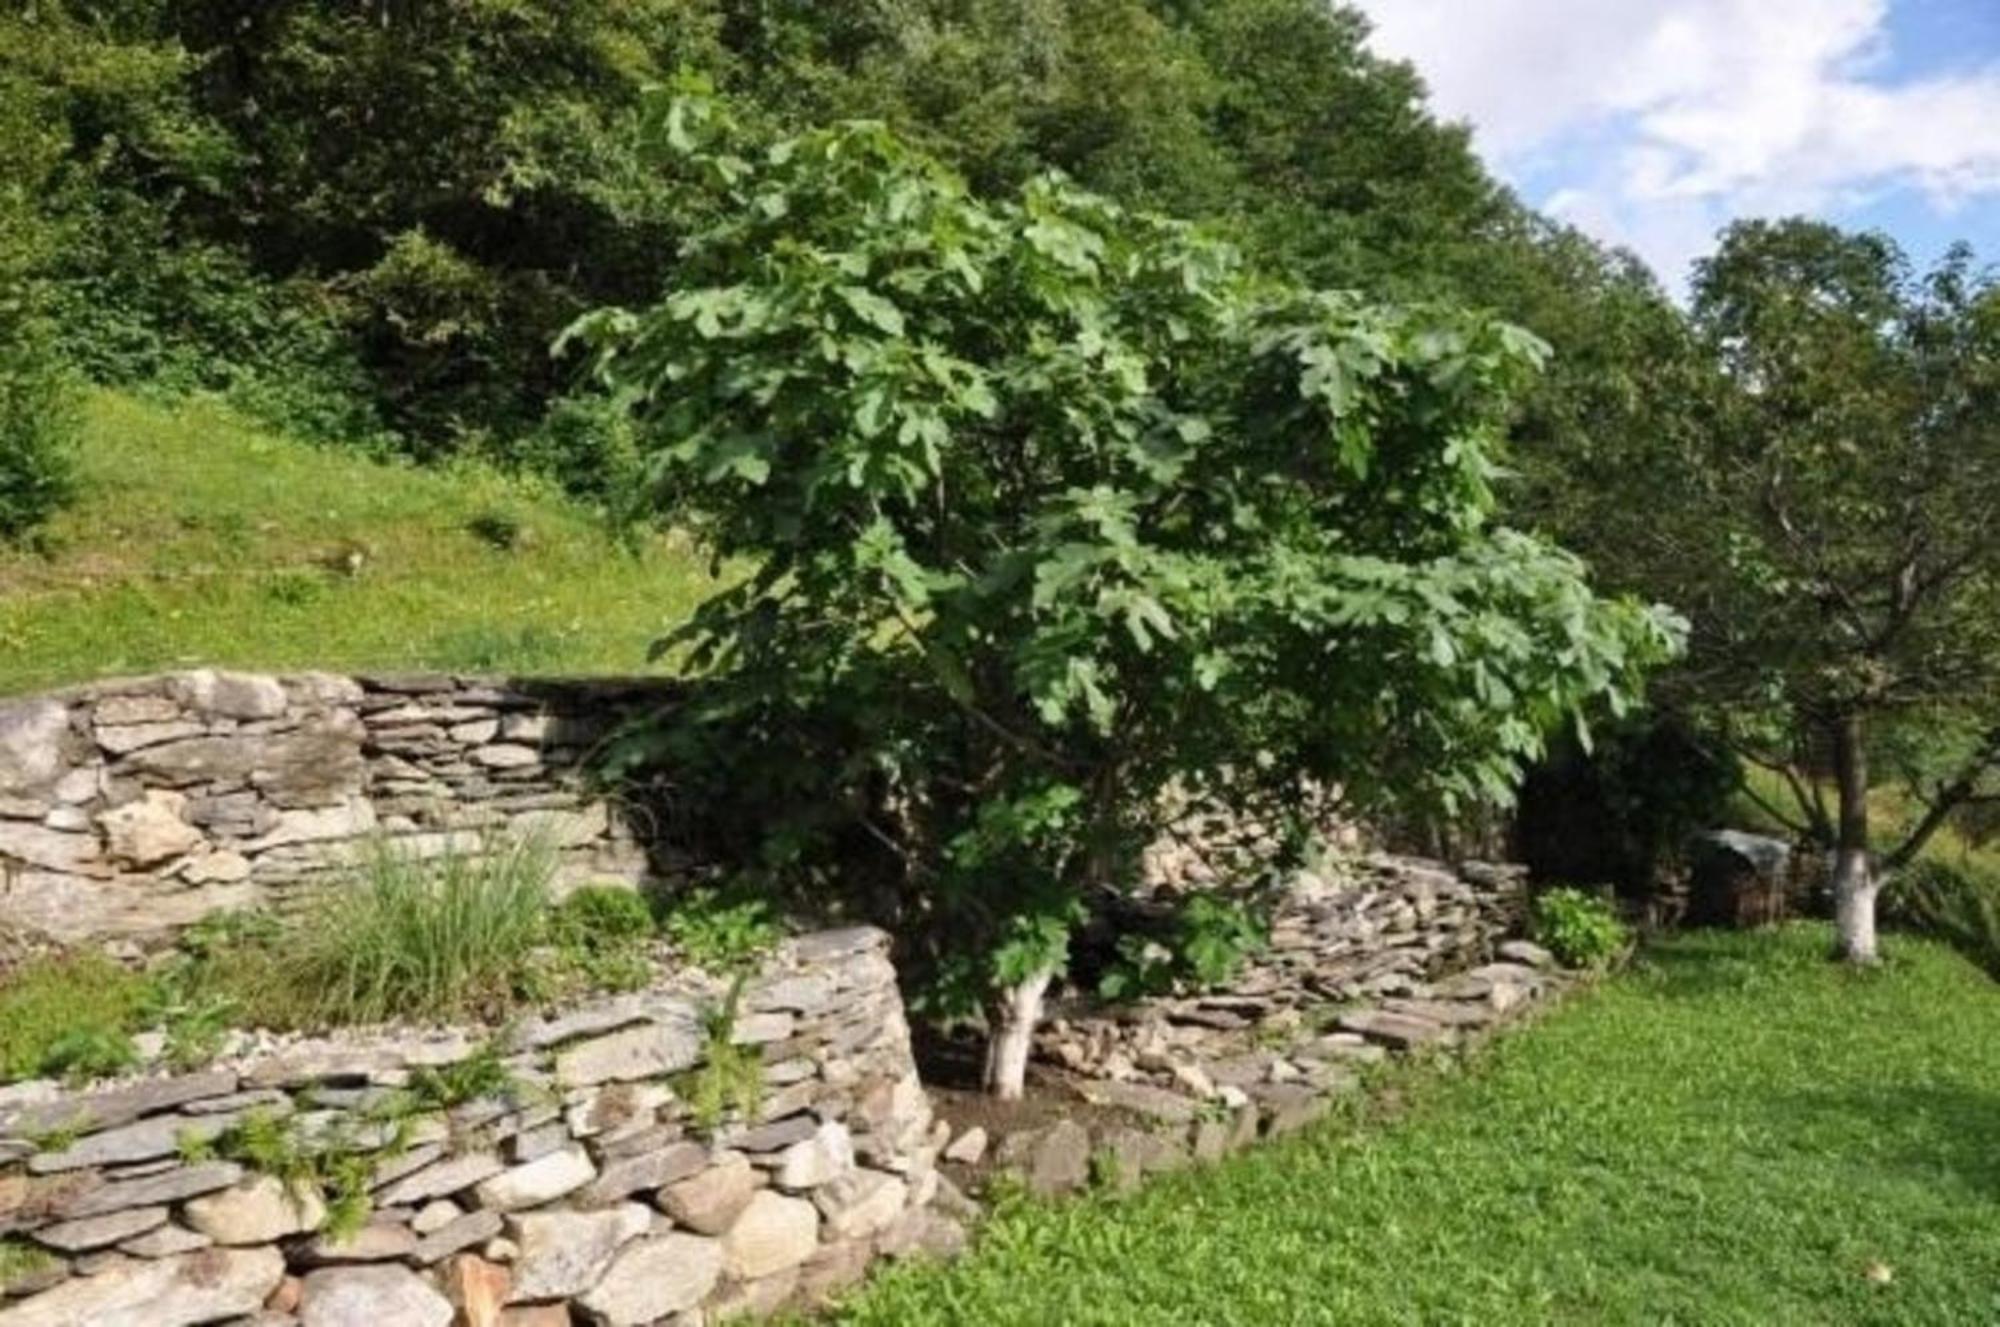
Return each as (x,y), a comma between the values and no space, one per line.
(133,808)
(1372,957)
(584,1188)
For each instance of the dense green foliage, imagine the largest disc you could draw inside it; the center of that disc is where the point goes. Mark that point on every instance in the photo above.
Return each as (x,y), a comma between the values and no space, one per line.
(1581,929)
(367,219)
(1733,1133)
(1957,901)
(1834,468)
(38,427)
(1053,505)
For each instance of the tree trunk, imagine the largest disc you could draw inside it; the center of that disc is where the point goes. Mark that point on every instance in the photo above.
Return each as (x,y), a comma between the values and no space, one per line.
(1854,883)
(1010,1035)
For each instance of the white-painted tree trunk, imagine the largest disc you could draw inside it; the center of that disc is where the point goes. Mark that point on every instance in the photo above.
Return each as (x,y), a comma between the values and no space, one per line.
(1011,1033)
(1854,883)
(1854,891)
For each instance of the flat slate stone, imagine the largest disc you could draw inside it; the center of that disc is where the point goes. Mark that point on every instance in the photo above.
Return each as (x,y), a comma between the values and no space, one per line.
(120,1105)
(1449,1013)
(168,1187)
(650,1050)
(94,1232)
(1141,1099)
(648,1170)
(1402,1031)
(159,1136)
(775,1136)
(442,1179)
(460,1233)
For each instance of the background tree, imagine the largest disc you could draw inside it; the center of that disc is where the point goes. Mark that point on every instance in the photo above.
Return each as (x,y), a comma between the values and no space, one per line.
(1053,506)
(1825,514)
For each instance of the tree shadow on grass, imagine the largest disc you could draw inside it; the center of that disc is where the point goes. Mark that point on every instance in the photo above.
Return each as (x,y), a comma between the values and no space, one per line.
(1938,1133)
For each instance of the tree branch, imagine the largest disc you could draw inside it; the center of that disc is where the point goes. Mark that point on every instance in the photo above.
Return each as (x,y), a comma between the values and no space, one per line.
(1955,793)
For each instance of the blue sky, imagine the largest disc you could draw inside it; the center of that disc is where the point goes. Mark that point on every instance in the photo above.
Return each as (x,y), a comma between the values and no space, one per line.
(1653,123)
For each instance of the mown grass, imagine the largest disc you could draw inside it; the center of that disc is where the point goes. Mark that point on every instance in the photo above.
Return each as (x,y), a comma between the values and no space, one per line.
(200,539)
(1734,1132)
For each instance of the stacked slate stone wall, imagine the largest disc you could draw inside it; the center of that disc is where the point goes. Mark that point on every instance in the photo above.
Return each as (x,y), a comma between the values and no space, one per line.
(131,809)
(1370,956)
(583,1191)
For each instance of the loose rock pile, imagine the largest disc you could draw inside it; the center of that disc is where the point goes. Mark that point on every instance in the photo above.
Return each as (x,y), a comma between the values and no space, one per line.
(585,1189)
(134,808)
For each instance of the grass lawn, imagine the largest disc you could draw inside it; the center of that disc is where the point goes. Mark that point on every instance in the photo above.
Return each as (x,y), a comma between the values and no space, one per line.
(1731,1133)
(201,539)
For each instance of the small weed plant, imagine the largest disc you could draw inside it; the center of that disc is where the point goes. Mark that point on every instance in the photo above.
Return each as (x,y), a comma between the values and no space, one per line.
(720,930)
(1581,929)
(71,1016)
(730,1076)
(20,1260)
(1212,936)
(598,939)
(463,935)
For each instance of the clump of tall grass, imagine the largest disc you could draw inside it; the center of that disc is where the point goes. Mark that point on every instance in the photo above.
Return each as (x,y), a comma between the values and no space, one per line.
(419,937)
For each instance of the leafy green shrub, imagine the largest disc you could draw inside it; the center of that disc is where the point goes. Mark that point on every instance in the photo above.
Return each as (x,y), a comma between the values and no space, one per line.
(586,443)
(1052,504)
(39,422)
(1211,938)
(1958,904)
(598,937)
(1581,929)
(501,530)
(72,1015)
(720,931)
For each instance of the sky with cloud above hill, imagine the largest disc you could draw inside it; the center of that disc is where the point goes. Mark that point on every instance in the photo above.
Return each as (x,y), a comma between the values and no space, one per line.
(1653,123)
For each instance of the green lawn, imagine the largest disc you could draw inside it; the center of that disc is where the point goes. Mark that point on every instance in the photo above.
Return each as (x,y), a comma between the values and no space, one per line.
(1731,1133)
(200,539)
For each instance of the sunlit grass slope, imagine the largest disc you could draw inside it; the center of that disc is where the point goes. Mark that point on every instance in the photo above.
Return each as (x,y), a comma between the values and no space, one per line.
(200,539)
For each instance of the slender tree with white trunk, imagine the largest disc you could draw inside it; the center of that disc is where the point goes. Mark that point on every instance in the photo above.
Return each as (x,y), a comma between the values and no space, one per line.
(1826,510)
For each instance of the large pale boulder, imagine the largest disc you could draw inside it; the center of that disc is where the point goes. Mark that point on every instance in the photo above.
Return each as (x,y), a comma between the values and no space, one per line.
(772,1233)
(207,1285)
(372,1295)
(820,1159)
(562,1254)
(32,740)
(709,1202)
(230,695)
(651,1279)
(149,831)
(257,1211)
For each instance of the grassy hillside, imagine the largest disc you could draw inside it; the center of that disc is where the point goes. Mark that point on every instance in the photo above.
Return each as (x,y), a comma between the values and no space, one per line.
(202,540)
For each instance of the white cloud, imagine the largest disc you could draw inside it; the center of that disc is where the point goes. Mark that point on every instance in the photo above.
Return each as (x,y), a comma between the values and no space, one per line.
(1665,118)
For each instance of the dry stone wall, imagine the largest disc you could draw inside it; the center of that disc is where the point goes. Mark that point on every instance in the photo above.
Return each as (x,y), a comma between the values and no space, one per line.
(133,808)
(582,1192)
(1369,957)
